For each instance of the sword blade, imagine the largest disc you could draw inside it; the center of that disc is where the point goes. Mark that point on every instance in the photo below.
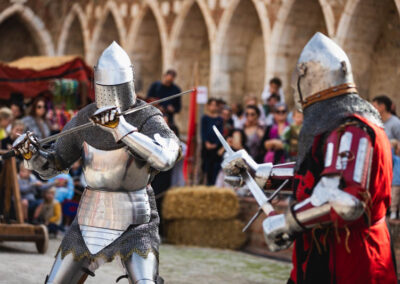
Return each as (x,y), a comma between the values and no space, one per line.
(52,138)
(258,194)
(89,124)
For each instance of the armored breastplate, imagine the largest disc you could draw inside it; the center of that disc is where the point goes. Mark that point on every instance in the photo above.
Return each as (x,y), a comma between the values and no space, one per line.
(115,170)
(116,196)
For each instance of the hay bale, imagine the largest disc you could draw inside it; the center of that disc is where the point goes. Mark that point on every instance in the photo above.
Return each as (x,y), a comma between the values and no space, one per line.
(200,202)
(225,234)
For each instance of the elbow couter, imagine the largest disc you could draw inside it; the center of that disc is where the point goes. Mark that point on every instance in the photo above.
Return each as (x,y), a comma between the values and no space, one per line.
(349,209)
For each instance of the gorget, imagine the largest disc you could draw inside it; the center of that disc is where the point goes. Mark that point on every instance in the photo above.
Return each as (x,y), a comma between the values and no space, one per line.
(326,115)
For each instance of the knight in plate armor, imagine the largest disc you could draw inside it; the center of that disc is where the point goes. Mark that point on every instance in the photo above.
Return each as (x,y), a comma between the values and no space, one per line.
(342,178)
(117,214)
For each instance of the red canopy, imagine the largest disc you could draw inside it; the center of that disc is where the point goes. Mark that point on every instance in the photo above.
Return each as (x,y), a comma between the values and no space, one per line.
(32,75)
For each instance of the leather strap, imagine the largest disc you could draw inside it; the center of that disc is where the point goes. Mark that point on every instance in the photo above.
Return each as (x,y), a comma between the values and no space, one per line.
(347,88)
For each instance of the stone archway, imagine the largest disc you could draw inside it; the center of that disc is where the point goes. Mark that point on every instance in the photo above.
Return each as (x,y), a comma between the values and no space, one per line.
(371,38)
(239,67)
(191,56)
(19,24)
(75,43)
(74,37)
(297,22)
(13,31)
(146,53)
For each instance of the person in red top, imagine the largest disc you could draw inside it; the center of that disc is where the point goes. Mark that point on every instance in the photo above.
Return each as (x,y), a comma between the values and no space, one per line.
(342,178)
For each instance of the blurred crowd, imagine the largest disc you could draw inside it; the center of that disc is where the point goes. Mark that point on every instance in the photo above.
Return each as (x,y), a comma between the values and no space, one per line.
(53,202)
(269,131)
(263,125)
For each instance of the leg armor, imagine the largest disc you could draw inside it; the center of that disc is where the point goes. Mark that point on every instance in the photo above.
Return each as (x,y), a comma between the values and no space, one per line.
(68,271)
(142,270)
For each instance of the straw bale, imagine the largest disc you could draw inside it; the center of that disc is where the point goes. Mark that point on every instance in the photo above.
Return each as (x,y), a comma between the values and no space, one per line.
(200,202)
(225,234)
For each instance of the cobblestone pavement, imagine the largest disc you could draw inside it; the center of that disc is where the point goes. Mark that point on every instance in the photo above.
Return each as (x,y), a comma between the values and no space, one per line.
(20,263)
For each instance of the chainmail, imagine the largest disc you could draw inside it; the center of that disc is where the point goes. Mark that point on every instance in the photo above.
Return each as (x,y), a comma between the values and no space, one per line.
(140,239)
(327,115)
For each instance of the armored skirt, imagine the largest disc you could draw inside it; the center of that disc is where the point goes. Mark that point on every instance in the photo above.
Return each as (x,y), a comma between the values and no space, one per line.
(140,239)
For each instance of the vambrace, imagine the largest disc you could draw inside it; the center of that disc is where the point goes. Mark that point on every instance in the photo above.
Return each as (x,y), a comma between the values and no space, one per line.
(161,153)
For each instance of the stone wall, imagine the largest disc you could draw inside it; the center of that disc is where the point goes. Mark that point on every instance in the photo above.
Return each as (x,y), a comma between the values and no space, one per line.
(238,44)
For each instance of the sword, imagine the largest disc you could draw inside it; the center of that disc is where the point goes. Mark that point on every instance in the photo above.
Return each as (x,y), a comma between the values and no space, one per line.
(89,124)
(258,194)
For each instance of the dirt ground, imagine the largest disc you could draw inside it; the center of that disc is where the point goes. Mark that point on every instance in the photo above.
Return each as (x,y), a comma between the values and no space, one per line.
(20,263)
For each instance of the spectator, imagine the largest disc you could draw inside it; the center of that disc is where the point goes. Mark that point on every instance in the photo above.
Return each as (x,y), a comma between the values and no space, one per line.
(64,187)
(17,128)
(237,140)
(165,88)
(394,207)
(17,108)
(253,130)
(253,101)
(269,108)
(5,121)
(273,143)
(28,186)
(237,115)
(291,135)
(49,212)
(210,143)
(391,122)
(36,121)
(226,115)
(274,87)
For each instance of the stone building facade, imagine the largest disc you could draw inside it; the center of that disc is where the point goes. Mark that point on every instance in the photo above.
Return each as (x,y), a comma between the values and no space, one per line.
(231,46)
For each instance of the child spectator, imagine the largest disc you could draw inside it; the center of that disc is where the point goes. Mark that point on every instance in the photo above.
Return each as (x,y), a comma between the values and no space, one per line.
(291,135)
(17,128)
(394,207)
(49,212)
(64,185)
(5,120)
(28,185)
(274,87)
(269,108)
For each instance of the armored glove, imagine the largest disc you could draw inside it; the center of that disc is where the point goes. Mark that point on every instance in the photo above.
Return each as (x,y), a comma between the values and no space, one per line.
(26,145)
(233,165)
(110,119)
(279,231)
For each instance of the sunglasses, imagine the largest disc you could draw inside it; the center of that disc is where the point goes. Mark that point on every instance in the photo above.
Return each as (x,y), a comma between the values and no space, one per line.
(280,111)
(39,106)
(250,114)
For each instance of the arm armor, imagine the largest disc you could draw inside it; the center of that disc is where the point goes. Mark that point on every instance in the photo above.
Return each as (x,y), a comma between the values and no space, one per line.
(337,197)
(161,153)
(45,163)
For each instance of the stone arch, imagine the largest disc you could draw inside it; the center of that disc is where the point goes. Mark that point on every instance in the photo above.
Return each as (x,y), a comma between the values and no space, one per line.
(190,53)
(369,32)
(146,52)
(74,36)
(296,23)
(110,27)
(19,24)
(153,6)
(239,61)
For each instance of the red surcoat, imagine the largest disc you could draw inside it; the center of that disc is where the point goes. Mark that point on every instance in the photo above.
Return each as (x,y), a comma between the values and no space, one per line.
(343,252)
